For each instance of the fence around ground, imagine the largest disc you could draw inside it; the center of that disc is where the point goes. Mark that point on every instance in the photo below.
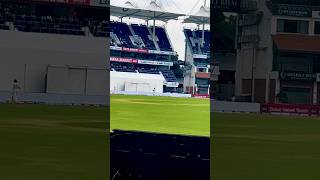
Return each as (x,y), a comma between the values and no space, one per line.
(280,109)
(215,106)
(56,99)
(291,109)
(152,94)
(227,106)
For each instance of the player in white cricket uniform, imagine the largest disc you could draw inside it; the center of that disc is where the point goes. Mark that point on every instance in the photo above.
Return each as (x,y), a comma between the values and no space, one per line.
(15,89)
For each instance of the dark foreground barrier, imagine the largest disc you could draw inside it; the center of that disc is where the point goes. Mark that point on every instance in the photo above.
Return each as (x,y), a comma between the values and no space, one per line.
(152,156)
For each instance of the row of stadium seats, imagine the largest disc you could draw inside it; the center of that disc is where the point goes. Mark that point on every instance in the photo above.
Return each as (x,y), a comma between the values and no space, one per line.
(195,39)
(148,70)
(128,33)
(122,31)
(122,68)
(127,67)
(164,43)
(49,24)
(169,75)
(159,156)
(206,46)
(100,29)
(144,33)
(158,57)
(3,24)
(201,62)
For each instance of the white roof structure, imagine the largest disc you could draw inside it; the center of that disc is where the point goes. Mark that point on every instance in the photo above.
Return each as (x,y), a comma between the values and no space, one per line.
(153,11)
(200,17)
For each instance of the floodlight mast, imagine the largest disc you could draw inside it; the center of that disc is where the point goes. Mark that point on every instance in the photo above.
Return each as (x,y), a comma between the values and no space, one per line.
(154,27)
(205,6)
(156,5)
(202,35)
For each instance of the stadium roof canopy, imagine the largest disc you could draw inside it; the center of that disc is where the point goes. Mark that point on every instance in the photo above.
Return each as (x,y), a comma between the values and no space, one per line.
(153,11)
(200,17)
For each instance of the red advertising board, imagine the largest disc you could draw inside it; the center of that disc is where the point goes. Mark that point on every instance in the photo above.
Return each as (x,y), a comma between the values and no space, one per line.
(146,51)
(201,96)
(291,109)
(137,61)
(203,75)
(127,60)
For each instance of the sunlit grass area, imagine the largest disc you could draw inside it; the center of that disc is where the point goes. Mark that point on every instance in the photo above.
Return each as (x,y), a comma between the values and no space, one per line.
(187,116)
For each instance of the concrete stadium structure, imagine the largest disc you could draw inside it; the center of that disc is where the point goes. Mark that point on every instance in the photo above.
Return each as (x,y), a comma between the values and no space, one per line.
(142,56)
(52,63)
(28,57)
(278,53)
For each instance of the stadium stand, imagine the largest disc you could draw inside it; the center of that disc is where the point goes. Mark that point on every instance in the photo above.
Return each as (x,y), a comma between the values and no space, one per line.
(139,36)
(127,67)
(3,22)
(122,32)
(135,50)
(52,36)
(195,38)
(142,155)
(144,33)
(99,28)
(123,67)
(148,70)
(47,22)
(164,44)
(198,64)
(169,75)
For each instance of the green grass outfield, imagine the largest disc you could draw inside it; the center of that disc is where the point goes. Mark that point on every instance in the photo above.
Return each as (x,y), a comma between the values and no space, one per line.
(265,147)
(161,114)
(39,142)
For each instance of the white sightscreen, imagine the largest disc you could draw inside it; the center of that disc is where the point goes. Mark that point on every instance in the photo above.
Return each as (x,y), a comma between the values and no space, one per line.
(136,82)
(137,87)
(80,81)
(97,82)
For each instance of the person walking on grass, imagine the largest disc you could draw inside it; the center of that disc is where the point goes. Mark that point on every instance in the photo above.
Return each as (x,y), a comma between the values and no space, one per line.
(15,89)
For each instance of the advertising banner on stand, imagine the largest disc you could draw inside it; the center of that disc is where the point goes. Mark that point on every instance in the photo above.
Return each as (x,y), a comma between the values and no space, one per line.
(98,3)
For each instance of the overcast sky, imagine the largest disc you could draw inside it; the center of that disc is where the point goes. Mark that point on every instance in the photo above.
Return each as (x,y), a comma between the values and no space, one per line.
(174,27)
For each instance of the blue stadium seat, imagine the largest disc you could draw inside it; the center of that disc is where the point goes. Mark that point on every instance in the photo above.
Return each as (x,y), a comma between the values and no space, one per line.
(123,32)
(164,43)
(3,20)
(149,70)
(48,25)
(144,33)
(121,67)
(205,49)
(169,75)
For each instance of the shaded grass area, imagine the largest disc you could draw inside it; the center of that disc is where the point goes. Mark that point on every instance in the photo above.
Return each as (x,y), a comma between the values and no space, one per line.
(53,142)
(186,116)
(264,147)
